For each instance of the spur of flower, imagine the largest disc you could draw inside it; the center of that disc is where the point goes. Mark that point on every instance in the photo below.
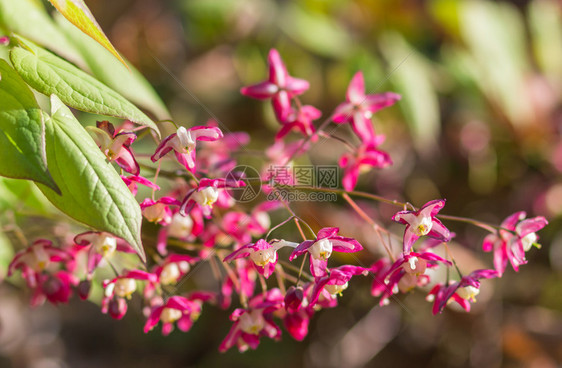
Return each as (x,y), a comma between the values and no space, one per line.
(280,87)
(321,248)
(262,254)
(423,223)
(359,108)
(183,143)
(115,145)
(516,236)
(461,291)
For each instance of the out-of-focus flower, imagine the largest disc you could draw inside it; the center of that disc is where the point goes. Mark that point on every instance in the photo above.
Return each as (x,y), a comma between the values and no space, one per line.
(365,158)
(299,120)
(177,309)
(120,288)
(336,281)
(279,86)
(132,181)
(359,108)
(159,211)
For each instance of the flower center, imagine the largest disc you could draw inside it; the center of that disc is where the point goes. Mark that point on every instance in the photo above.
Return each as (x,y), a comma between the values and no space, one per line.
(180,227)
(170,315)
(125,287)
(170,274)
(184,142)
(422,226)
(263,256)
(468,292)
(155,213)
(206,196)
(105,245)
(252,322)
(528,241)
(336,289)
(322,249)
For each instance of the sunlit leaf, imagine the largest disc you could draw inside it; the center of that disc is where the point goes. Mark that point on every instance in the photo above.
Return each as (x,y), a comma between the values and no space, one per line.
(92,191)
(130,83)
(22,131)
(78,13)
(49,74)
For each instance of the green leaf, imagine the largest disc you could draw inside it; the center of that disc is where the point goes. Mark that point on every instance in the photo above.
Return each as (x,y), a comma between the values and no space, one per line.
(30,19)
(92,191)
(78,13)
(49,74)
(22,131)
(130,83)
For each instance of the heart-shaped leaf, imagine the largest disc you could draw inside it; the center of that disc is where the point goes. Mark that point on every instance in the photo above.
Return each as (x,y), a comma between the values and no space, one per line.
(49,74)
(92,191)
(22,131)
(78,13)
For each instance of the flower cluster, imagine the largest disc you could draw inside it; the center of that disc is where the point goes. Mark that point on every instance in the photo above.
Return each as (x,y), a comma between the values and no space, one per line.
(194,221)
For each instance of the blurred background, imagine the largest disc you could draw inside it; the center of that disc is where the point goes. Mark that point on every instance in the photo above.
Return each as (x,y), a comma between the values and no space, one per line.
(479,123)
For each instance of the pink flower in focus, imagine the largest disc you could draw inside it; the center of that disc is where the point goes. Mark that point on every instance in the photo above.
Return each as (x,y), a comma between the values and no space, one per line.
(183,143)
(115,145)
(321,249)
(512,247)
(358,162)
(132,181)
(177,309)
(173,268)
(336,281)
(279,86)
(120,288)
(101,245)
(422,222)
(262,253)
(206,194)
(359,108)
(461,292)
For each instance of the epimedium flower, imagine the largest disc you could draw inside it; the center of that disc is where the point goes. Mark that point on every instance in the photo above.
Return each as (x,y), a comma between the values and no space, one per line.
(177,309)
(101,245)
(280,87)
(183,143)
(335,281)
(206,194)
(299,120)
(461,291)
(173,268)
(321,248)
(262,254)
(510,243)
(404,274)
(159,211)
(121,288)
(115,145)
(254,322)
(422,223)
(366,157)
(55,287)
(180,227)
(359,108)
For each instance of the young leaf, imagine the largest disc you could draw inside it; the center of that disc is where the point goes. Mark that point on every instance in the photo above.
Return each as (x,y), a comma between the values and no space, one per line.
(22,131)
(49,74)
(78,13)
(92,191)
(30,19)
(130,83)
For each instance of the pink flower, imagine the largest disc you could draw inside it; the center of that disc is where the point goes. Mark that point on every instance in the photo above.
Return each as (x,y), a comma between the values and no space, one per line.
(183,143)
(36,258)
(405,274)
(422,222)
(101,245)
(360,161)
(512,247)
(299,120)
(177,309)
(121,288)
(115,146)
(206,194)
(56,287)
(359,108)
(252,323)
(297,323)
(132,181)
(321,249)
(336,281)
(279,86)
(180,227)
(173,268)
(159,211)
(262,253)
(461,292)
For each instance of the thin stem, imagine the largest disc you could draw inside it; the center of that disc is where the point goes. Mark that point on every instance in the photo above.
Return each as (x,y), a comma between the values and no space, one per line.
(280,275)
(295,269)
(486,226)
(278,226)
(450,255)
(156,177)
(348,145)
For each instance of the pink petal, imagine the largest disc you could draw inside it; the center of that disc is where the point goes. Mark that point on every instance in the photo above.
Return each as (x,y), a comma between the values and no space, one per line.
(356,89)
